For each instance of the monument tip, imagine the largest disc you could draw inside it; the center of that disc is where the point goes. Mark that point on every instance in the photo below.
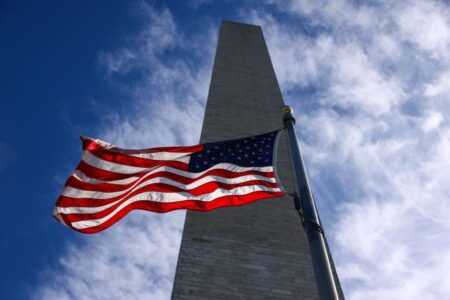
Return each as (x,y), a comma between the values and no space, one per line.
(224,21)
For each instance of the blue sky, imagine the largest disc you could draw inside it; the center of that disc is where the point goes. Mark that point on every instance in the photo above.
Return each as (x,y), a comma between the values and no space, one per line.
(370,83)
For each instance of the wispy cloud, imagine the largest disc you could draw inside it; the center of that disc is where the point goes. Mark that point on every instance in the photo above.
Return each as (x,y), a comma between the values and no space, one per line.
(136,258)
(169,94)
(375,134)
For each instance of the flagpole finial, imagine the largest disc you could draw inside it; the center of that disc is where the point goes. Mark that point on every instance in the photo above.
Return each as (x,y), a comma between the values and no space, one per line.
(288,115)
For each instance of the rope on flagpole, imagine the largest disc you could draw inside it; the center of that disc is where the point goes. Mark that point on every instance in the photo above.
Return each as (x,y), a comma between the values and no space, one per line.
(297,200)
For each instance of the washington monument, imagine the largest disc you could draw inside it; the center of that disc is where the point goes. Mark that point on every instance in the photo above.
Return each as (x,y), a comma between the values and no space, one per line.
(257,251)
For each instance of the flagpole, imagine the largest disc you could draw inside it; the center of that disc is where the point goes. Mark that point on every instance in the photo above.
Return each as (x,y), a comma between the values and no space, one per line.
(313,228)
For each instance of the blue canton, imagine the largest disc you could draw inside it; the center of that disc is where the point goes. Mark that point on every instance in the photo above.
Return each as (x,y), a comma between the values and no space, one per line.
(254,151)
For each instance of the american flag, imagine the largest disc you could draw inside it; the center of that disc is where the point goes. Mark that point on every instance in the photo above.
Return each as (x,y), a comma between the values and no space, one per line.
(109,181)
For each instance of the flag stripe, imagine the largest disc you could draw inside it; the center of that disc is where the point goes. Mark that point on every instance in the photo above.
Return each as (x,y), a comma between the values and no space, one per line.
(79,176)
(69,202)
(77,193)
(106,175)
(93,144)
(122,165)
(99,174)
(229,200)
(102,164)
(189,183)
(163,196)
(132,160)
(159,156)
(80,181)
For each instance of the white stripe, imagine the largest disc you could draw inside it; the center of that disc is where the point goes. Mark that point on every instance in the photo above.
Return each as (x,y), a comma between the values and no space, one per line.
(103,144)
(162,155)
(77,193)
(84,210)
(164,197)
(178,156)
(170,198)
(84,178)
(99,163)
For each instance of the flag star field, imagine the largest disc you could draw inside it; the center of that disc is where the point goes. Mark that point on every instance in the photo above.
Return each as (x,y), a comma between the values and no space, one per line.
(252,151)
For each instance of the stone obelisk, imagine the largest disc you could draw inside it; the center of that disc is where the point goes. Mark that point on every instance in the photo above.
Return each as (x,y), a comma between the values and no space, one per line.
(257,251)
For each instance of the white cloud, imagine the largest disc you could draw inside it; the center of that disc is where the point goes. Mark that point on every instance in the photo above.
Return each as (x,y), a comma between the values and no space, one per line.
(426,24)
(439,86)
(357,81)
(375,136)
(136,258)
(432,121)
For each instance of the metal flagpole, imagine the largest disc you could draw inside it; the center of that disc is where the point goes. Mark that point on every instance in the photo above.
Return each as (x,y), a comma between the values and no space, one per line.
(314,231)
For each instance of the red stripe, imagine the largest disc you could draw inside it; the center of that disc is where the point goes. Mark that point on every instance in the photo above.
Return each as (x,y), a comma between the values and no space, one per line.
(90,144)
(100,174)
(128,160)
(209,187)
(110,187)
(188,204)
